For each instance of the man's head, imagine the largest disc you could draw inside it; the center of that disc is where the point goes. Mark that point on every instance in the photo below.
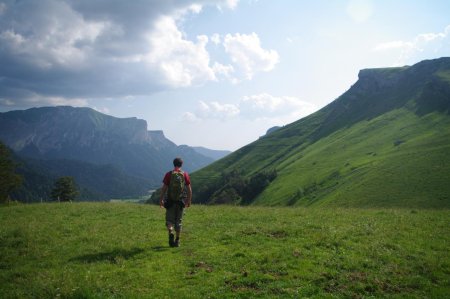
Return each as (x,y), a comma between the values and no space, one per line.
(177,162)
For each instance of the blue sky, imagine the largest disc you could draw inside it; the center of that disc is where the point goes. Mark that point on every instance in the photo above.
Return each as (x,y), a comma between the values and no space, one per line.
(208,73)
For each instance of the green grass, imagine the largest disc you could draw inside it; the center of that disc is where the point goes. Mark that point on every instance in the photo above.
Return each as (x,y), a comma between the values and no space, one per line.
(119,250)
(396,160)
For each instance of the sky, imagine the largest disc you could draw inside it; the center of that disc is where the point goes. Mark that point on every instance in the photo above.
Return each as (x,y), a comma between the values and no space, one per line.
(212,73)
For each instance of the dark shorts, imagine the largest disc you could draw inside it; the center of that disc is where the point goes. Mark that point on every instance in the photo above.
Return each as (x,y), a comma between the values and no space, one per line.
(174,215)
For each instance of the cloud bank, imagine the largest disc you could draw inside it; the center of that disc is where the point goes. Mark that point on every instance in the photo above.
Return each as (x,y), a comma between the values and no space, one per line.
(420,47)
(274,109)
(72,51)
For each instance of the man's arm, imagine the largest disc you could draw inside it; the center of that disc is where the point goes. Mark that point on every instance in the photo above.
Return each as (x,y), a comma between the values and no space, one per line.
(189,196)
(161,198)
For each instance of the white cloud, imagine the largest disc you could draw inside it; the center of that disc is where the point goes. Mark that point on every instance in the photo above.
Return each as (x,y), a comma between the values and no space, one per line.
(225,70)
(58,51)
(211,110)
(285,109)
(247,54)
(216,110)
(423,46)
(231,4)
(360,10)
(101,49)
(12,39)
(275,110)
(180,61)
(57,101)
(47,41)
(6,102)
(215,38)
(195,8)
(189,117)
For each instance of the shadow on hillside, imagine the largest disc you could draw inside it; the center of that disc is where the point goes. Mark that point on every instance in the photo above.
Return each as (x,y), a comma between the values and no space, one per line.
(160,248)
(115,256)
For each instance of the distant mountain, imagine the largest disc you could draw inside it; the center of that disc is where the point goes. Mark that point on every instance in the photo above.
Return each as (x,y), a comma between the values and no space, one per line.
(56,134)
(213,154)
(95,182)
(383,143)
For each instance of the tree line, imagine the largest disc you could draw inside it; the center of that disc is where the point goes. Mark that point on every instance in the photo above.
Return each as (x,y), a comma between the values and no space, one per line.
(234,188)
(64,188)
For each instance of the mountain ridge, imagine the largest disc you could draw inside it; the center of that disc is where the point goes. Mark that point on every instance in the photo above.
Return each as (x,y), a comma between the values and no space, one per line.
(63,135)
(349,141)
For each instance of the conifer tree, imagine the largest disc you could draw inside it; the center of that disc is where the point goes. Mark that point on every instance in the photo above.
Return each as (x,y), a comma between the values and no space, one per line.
(9,180)
(64,189)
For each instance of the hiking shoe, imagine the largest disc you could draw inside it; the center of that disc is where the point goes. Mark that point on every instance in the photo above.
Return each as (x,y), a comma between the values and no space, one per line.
(177,243)
(171,240)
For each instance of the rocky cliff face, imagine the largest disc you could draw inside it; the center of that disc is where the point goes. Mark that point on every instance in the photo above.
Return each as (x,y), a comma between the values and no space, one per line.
(158,140)
(373,80)
(380,90)
(87,135)
(52,129)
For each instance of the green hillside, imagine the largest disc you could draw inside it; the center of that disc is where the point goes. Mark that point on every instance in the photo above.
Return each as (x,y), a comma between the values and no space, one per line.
(116,250)
(383,143)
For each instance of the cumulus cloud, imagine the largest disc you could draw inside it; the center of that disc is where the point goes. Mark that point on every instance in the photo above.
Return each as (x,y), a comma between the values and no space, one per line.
(224,70)
(82,49)
(274,109)
(247,54)
(268,106)
(421,47)
(180,61)
(215,38)
(231,4)
(43,39)
(189,117)
(216,110)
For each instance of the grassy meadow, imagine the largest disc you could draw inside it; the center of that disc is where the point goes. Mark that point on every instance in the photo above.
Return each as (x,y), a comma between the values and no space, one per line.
(119,250)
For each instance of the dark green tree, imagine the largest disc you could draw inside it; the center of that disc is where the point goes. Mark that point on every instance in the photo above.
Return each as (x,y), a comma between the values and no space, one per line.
(9,180)
(65,189)
(257,183)
(227,195)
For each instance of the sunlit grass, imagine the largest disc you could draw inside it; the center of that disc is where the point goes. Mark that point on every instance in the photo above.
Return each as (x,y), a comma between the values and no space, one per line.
(92,250)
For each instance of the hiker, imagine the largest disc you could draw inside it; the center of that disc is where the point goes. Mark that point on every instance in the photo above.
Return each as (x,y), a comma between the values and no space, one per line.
(177,184)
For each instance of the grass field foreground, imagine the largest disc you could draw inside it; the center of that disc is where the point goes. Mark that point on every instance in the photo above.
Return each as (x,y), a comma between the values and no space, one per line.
(119,250)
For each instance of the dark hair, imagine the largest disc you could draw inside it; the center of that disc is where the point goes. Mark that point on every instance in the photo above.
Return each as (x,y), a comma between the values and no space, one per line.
(177,162)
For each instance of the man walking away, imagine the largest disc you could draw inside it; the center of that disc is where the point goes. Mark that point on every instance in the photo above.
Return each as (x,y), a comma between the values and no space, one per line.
(177,185)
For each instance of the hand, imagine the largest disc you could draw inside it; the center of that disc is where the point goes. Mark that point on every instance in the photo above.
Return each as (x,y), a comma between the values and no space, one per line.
(161,205)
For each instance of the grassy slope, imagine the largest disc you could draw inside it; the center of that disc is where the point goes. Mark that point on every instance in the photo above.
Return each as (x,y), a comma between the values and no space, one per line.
(385,142)
(393,160)
(93,250)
